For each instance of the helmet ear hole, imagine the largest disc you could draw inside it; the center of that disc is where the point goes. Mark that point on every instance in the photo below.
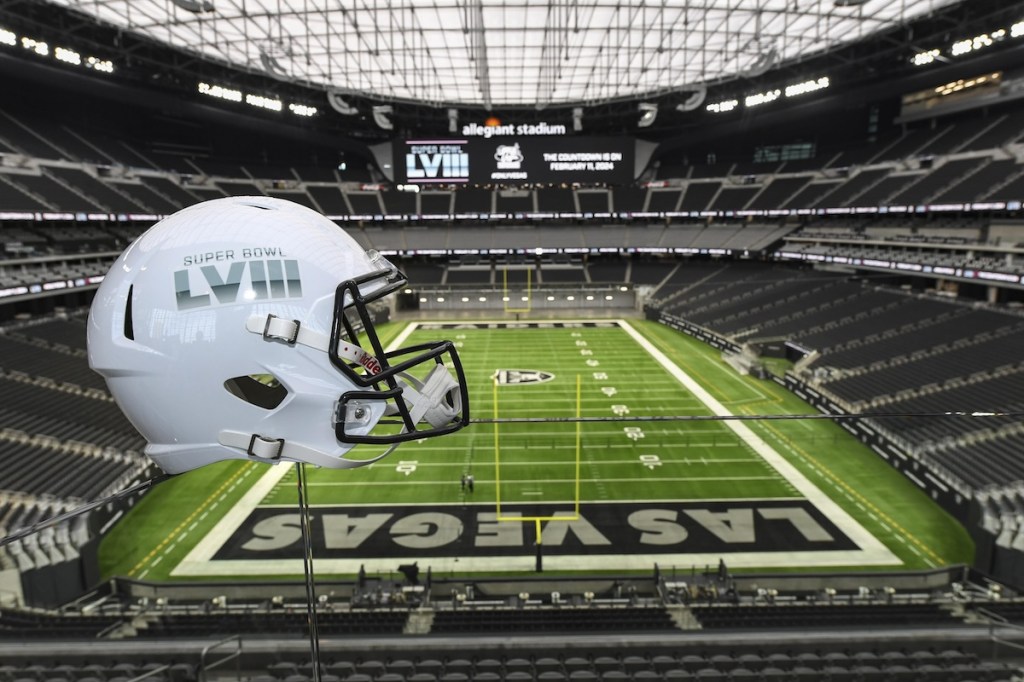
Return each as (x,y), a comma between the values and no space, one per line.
(261,390)
(129,327)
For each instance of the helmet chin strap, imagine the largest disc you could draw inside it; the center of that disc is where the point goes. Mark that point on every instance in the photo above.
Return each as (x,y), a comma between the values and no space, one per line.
(273,450)
(291,332)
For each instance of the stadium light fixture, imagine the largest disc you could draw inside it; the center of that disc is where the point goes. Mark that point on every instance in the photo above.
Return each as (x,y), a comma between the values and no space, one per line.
(648,113)
(263,102)
(302,109)
(61,54)
(220,92)
(812,85)
(723,106)
(97,64)
(67,56)
(925,58)
(762,98)
(37,46)
(967,46)
(962,47)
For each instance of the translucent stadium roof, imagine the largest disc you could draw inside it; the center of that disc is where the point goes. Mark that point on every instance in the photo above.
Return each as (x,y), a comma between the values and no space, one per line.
(506,52)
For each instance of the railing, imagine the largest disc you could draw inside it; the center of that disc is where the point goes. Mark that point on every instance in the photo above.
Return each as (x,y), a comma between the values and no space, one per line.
(994,619)
(234,655)
(150,673)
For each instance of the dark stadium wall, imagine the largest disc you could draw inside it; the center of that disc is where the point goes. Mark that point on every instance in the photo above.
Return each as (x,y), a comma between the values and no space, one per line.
(835,121)
(58,584)
(45,305)
(148,115)
(1003,563)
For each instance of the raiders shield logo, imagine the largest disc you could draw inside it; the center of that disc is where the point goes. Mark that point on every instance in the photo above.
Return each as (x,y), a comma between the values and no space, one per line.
(522,376)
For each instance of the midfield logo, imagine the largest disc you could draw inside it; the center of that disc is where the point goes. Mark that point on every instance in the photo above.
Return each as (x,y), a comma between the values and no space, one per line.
(522,376)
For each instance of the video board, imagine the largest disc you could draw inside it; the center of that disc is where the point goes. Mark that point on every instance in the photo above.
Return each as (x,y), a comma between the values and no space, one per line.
(515,160)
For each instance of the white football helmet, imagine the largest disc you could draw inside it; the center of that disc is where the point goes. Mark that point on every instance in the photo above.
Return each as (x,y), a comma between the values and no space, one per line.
(230,330)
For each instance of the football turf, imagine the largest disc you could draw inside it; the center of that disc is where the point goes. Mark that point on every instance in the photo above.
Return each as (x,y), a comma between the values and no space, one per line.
(545,468)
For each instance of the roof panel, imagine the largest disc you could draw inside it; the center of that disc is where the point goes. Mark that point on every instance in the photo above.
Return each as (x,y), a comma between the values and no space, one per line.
(555,51)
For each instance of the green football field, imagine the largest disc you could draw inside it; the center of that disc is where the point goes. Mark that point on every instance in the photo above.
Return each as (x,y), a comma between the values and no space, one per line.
(616,492)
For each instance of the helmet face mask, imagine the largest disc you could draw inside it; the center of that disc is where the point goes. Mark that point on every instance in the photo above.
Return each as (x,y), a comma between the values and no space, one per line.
(387,379)
(232,330)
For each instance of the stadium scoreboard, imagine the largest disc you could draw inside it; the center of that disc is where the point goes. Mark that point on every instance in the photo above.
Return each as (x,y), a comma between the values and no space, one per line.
(515,160)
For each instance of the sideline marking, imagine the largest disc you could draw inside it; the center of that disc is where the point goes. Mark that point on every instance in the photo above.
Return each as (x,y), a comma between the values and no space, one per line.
(872,546)
(885,520)
(181,531)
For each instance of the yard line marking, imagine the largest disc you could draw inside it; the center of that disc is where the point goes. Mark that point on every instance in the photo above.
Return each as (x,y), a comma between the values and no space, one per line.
(532,464)
(490,505)
(773,476)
